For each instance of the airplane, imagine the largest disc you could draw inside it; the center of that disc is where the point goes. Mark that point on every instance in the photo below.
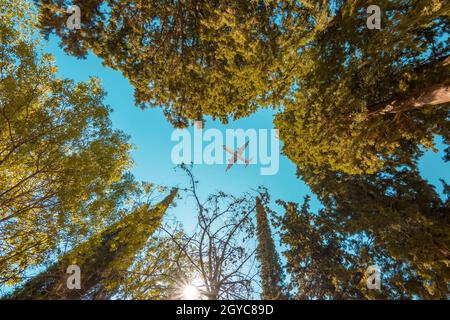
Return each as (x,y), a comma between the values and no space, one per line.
(237,155)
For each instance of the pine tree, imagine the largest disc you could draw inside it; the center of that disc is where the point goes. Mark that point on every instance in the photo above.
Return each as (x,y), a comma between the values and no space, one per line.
(402,215)
(326,258)
(192,58)
(361,93)
(271,271)
(101,259)
(317,264)
(63,167)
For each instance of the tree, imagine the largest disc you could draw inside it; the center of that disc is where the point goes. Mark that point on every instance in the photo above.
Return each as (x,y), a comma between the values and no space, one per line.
(271,271)
(220,253)
(101,259)
(365,105)
(63,168)
(361,93)
(193,58)
(159,270)
(328,260)
(317,263)
(401,213)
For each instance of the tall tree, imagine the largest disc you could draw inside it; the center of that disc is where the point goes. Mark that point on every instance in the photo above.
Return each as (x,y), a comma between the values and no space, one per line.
(328,260)
(160,270)
(361,93)
(271,271)
(367,102)
(317,263)
(193,58)
(220,252)
(63,168)
(102,259)
(401,213)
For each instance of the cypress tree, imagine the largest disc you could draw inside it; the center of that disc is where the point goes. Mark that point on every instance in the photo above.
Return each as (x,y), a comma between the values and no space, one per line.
(195,58)
(402,214)
(362,93)
(101,258)
(271,273)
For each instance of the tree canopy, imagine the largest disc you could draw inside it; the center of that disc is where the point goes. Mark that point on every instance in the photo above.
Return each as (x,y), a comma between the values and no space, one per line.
(63,168)
(356,109)
(360,94)
(348,95)
(103,259)
(193,58)
(401,213)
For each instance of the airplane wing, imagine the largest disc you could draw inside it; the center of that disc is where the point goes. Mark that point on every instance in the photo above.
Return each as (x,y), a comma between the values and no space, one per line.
(231,161)
(229,166)
(241,149)
(228,150)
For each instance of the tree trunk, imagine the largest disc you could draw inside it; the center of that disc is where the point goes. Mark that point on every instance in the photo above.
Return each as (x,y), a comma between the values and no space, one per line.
(431,95)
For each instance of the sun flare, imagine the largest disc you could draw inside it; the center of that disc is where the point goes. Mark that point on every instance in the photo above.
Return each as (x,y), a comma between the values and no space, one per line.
(190,292)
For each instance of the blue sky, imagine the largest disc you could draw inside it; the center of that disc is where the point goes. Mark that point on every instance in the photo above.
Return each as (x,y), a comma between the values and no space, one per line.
(151,135)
